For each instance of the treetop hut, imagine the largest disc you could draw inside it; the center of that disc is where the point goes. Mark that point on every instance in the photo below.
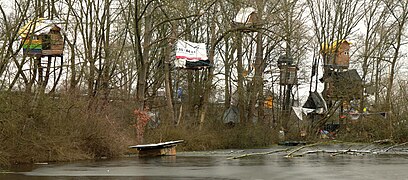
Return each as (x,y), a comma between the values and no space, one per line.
(337,54)
(288,70)
(245,16)
(343,85)
(42,37)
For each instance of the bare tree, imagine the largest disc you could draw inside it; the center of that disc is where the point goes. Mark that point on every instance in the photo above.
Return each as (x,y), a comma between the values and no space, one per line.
(333,21)
(8,35)
(399,11)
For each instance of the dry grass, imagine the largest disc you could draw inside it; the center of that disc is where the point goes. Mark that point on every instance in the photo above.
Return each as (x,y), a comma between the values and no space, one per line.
(69,128)
(58,129)
(215,136)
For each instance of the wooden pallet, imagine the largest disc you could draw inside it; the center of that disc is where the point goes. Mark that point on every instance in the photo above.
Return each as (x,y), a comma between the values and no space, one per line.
(159,149)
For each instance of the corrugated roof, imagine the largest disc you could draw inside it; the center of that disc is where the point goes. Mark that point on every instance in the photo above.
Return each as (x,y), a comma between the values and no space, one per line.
(332,48)
(37,27)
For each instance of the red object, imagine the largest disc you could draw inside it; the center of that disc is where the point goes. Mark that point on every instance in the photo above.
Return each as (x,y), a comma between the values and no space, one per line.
(142,119)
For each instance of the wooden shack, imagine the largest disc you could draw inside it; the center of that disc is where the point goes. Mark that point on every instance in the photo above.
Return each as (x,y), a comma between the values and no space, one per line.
(245,16)
(42,37)
(288,75)
(336,55)
(343,85)
(288,70)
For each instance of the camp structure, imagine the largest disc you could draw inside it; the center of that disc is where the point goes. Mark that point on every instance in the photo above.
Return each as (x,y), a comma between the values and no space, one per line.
(42,37)
(336,55)
(343,85)
(245,16)
(288,71)
(191,55)
(315,103)
(231,115)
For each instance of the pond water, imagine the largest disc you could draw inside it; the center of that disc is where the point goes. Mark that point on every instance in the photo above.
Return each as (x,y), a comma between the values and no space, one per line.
(219,165)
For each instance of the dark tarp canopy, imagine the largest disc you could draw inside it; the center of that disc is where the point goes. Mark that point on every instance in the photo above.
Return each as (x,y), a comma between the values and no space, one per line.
(231,115)
(346,84)
(316,101)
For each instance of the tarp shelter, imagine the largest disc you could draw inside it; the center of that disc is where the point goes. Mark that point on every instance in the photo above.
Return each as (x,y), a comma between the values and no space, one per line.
(231,115)
(346,84)
(42,37)
(316,101)
(191,55)
(299,111)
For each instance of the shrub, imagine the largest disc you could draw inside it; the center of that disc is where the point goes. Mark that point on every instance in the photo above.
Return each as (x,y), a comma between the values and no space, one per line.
(59,128)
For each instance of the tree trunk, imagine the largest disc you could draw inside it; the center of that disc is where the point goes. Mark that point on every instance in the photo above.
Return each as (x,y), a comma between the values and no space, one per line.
(240,71)
(227,81)
(208,83)
(169,94)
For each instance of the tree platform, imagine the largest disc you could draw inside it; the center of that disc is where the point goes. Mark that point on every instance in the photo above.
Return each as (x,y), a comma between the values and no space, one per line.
(159,149)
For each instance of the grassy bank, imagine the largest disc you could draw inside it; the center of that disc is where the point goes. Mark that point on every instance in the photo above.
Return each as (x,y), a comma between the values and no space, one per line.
(60,128)
(69,127)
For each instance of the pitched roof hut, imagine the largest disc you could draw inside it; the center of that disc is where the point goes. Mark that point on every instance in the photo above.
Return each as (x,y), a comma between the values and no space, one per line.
(337,54)
(42,37)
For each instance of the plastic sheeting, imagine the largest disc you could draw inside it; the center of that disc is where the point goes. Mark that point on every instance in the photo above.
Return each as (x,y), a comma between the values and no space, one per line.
(299,111)
(231,115)
(315,101)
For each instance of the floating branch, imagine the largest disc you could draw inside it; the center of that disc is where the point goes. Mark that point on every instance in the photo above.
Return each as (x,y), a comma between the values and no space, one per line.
(396,145)
(260,153)
(300,148)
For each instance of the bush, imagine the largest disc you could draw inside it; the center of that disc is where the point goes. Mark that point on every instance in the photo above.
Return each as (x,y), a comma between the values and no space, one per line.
(215,135)
(60,128)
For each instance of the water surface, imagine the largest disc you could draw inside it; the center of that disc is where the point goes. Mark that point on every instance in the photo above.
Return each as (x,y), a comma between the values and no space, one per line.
(218,165)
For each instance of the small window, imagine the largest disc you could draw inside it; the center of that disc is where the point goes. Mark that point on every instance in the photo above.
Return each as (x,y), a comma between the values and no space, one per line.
(46,42)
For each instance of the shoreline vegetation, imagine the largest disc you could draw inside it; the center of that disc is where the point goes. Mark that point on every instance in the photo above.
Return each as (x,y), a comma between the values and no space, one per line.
(69,128)
(85,79)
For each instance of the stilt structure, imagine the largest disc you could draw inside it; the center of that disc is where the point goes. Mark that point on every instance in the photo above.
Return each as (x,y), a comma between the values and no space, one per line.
(288,80)
(42,38)
(341,85)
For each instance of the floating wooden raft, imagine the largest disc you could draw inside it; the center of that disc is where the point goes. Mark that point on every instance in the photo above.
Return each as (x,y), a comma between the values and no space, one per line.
(159,149)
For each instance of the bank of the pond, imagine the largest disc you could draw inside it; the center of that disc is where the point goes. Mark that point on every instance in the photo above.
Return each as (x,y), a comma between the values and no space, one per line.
(322,160)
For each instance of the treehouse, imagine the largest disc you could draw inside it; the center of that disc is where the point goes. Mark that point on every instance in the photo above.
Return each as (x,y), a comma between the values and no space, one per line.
(245,16)
(336,55)
(343,85)
(42,37)
(288,71)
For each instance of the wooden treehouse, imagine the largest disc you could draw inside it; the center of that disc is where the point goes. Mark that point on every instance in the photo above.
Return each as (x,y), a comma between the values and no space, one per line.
(336,55)
(42,38)
(245,16)
(288,81)
(288,71)
(341,83)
